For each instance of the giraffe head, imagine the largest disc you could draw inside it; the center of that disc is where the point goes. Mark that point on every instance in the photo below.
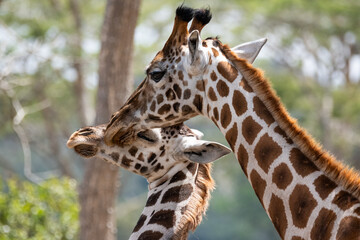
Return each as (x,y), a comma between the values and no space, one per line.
(153,153)
(173,89)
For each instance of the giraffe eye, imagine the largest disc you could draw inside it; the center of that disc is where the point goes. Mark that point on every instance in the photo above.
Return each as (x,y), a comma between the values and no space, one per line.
(157,75)
(148,136)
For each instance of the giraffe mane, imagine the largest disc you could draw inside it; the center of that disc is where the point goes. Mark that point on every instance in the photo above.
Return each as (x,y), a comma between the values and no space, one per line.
(340,173)
(198,203)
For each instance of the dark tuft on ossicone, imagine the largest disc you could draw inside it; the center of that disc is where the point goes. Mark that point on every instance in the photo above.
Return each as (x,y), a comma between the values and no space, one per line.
(185,13)
(203,15)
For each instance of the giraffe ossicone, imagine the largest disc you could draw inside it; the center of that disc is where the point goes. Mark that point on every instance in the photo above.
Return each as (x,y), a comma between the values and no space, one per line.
(306,192)
(179,187)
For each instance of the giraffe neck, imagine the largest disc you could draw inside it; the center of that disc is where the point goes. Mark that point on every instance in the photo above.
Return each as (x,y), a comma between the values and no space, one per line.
(301,198)
(175,203)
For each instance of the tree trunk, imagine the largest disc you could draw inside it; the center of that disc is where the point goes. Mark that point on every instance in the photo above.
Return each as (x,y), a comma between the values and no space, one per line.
(79,88)
(99,188)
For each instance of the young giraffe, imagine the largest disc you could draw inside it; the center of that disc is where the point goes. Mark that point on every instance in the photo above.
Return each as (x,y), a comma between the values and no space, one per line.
(306,192)
(179,187)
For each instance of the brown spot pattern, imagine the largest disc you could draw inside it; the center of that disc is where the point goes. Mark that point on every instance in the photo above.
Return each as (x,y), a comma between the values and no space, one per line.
(266,151)
(160,98)
(349,229)
(239,103)
(187,94)
(324,186)
(176,107)
(143,170)
(192,168)
(150,235)
(227,70)
(225,117)
(277,215)
(213,76)
(215,52)
(141,157)
(302,203)
(222,88)
(158,167)
(133,150)
(186,109)
(303,166)
(216,113)
(244,84)
(140,223)
(153,199)
(164,109)
(153,118)
(151,157)
(170,94)
(282,176)
(258,184)
(231,136)
(177,90)
(243,158)
(177,194)
(200,85)
(165,218)
(126,162)
(212,95)
(153,106)
(115,156)
(279,131)
(323,224)
(250,129)
(262,111)
(198,102)
(344,200)
(179,176)
(297,238)
(181,75)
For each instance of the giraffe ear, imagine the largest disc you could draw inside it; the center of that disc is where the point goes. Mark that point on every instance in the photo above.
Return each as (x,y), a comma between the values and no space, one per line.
(194,43)
(249,50)
(204,151)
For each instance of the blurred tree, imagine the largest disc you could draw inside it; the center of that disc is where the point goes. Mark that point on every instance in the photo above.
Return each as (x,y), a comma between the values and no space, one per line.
(318,43)
(45,211)
(99,187)
(41,43)
(40,51)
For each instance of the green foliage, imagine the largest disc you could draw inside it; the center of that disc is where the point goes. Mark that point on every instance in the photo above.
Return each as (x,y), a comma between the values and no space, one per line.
(349,111)
(50,210)
(45,211)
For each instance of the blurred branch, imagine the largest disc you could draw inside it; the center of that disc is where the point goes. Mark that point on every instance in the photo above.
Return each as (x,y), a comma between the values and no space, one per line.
(53,143)
(21,112)
(79,88)
(27,154)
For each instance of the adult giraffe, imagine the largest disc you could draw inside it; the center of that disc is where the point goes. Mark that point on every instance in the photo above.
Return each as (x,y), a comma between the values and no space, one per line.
(179,187)
(306,192)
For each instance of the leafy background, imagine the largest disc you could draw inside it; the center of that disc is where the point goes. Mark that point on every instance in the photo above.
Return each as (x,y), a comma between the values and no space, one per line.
(312,58)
